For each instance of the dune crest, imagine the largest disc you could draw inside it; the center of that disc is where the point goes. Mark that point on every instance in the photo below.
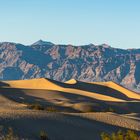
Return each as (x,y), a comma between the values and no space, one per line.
(78,88)
(71,81)
(41,83)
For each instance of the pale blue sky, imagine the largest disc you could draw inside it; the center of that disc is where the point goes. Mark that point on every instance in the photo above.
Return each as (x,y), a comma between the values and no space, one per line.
(115,22)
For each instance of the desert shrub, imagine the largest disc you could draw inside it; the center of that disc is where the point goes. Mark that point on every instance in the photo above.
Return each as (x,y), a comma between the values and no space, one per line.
(43,135)
(51,109)
(105,136)
(120,135)
(84,107)
(38,106)
(111,109)
(35,106)
(9,135)
(131,135)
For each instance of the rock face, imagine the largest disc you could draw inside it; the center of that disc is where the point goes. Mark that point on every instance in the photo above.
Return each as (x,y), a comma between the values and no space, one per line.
(64,62)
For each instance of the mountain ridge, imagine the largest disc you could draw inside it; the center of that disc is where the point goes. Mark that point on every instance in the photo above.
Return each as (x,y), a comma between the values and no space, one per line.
(87,63)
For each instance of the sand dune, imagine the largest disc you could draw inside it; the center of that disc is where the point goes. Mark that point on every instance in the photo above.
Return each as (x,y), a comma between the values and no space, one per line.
(56,86)
(72,86)
(73,94)
(70,98)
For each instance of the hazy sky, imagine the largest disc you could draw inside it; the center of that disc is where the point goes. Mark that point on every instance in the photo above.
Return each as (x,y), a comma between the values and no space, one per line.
(115,22)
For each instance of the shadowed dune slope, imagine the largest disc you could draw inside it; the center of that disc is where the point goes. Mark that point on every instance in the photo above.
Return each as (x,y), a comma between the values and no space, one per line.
(119,88)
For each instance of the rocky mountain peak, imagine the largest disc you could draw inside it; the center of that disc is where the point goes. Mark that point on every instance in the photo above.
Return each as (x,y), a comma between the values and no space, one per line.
(41,42)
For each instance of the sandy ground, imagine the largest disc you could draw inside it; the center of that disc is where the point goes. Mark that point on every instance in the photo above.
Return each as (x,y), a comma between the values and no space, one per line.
(71,98)
(60,126)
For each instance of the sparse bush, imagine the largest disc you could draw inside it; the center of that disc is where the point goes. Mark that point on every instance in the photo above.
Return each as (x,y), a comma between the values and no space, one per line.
(9,135)
(105,136)
(43,135)
(120,135)
(35,106)
(111,109)
(84,107)
(40,107)
(51,109)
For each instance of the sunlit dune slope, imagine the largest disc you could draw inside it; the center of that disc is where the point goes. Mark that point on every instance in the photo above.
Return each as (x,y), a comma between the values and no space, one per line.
(71,81)
(75,87)
(40,83)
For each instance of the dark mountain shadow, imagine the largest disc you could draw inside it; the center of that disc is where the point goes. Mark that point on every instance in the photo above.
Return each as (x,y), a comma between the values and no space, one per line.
(33,56)
(137,71)
(12,73)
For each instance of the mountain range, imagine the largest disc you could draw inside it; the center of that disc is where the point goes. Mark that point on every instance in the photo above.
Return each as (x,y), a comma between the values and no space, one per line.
(63,62)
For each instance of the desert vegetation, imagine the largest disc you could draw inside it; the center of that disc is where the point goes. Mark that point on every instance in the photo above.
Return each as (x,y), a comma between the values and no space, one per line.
(82,107)
(8,135)
(120,135)
(37,106)
(44,135)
